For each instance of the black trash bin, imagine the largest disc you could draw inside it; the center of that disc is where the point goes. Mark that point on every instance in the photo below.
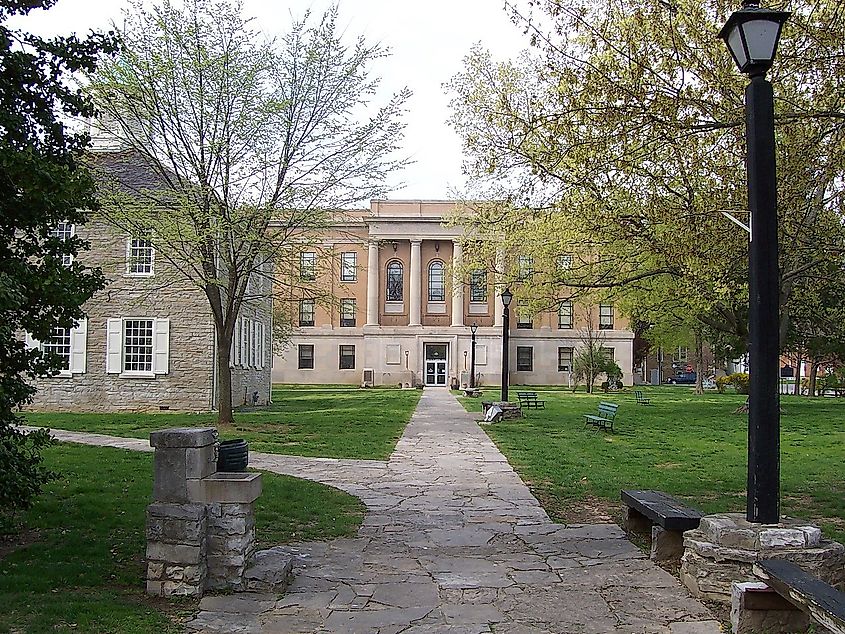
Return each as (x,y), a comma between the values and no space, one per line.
(233,455)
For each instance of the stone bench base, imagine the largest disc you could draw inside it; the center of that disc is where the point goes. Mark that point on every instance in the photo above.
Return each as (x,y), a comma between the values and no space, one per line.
(757,608)
(666,545)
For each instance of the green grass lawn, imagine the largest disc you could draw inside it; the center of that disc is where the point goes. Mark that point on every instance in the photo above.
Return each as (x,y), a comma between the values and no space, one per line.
(690,446)
(81,567)
(332,422)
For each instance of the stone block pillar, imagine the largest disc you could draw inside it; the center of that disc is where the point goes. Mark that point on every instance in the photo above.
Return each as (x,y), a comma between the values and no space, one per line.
(201,524)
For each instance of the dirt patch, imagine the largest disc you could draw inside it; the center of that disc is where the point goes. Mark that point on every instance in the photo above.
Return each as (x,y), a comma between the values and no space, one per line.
(587,510)
(11,543)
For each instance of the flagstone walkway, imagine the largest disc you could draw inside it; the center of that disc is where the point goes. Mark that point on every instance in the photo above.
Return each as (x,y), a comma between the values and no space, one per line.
(453,542)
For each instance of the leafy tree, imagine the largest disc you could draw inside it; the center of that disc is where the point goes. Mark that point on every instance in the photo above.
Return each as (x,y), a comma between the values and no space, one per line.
(620,139)
(42,183)
(256,141)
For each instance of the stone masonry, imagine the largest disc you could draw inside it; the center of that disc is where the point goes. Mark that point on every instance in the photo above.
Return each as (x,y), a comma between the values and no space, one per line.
(725,546)
(201,526)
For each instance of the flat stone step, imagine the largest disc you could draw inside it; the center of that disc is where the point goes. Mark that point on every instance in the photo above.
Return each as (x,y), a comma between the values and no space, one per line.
(269,570)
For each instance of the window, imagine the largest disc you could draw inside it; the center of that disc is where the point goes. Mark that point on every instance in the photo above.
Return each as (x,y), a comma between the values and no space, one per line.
(138,346)
(525,267)
(306,357)
(347,357)
(248,344)
(306,312)
(564,262)
(308,266)
(609,353)
(140,256)
(347,312)
(478,287)
(64,231)
(682,355)
(523,316)
(348,266)
(68,344)
(524,359)
(564,315)
(395,281)
(564,359)
(436,282)
(605,317)
(59,344)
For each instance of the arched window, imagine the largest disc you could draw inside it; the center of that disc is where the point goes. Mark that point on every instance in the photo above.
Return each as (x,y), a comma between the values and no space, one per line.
(395,281)
(436,282)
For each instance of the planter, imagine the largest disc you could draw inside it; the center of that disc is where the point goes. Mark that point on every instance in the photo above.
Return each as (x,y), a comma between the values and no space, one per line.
(233,455)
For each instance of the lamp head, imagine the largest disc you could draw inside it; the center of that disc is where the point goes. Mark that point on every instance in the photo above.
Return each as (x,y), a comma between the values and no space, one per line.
(473,328)
(752,36)
(507,297)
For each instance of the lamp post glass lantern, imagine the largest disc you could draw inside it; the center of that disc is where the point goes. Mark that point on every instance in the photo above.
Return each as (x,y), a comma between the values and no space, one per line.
(751,35)
(507,297)
(473,329)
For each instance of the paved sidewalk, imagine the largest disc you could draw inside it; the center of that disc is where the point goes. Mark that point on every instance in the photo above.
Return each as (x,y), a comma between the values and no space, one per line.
(454,542)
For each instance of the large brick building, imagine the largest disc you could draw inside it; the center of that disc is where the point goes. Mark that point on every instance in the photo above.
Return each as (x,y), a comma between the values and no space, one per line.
(399,317)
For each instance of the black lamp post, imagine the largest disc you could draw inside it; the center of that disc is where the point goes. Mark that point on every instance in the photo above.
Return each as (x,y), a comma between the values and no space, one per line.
(507,296)
(752,36)
(473,329)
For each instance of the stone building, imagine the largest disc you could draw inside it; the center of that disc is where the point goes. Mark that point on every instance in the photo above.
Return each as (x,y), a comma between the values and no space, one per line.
(148,339)
(398,317)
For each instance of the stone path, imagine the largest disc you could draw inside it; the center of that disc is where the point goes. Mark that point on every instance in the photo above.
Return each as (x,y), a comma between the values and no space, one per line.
(453,542)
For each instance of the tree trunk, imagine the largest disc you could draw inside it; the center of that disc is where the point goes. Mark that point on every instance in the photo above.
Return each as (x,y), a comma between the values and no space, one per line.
(814,372)
(225,415)
(797,375)
(699,355)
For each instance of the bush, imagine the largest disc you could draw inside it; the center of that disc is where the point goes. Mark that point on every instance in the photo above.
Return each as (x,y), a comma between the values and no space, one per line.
(739,381)
(22,473)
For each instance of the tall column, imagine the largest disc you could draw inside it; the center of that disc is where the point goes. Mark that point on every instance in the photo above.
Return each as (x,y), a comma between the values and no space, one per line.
(372,285)
(415,293)
(498,308)
(457,284)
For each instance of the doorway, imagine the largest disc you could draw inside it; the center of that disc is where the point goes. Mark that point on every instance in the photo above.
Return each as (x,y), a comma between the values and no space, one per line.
(435,363)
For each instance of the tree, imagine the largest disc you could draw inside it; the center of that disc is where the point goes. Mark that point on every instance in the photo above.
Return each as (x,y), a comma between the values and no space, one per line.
(621,139)
(257,141)
(42,183)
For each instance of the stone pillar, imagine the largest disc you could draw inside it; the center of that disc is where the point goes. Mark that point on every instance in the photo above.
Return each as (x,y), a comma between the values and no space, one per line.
(498,307)
(372,285)
(176,523)
(415,293)
(230,499)
(457,284)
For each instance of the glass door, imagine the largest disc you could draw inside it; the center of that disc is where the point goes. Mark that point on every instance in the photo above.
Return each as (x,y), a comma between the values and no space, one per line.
(435,363)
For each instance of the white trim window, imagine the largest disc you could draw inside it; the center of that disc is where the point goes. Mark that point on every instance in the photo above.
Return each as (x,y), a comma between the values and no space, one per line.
(564,262)
(140,256)
(478,286)
(138,346)
(64,231)
(348,266)
(308,266)
(347,312)
(564,315)
(564,359)
(436,281)
(524,268)
(69,345)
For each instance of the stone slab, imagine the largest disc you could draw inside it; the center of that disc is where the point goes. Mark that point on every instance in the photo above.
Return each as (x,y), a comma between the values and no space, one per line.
(183,437)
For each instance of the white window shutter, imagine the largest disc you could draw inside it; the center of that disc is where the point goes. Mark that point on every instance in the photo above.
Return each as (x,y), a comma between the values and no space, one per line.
(252,332)
(263,344)
(232,350)
(78,343)
(31,342)
(161,346)
(114,345)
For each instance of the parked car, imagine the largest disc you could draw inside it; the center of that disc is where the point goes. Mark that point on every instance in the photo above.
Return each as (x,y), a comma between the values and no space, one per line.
(682,378)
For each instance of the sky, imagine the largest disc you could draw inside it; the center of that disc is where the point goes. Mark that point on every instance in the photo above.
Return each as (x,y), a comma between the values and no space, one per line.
(428,40)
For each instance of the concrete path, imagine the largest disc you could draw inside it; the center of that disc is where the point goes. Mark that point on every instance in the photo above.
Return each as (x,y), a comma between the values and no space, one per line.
(454,542)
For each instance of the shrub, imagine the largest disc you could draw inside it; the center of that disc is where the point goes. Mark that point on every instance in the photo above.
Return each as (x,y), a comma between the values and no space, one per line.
(22,473)
(739,381)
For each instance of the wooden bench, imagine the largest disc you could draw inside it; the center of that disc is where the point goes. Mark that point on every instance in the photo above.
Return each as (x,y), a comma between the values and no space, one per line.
(664,517)
(822,602)
(604,419)
(641,400)
(529,400)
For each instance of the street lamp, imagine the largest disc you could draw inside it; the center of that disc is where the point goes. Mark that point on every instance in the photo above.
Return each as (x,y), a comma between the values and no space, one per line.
(507,297)
(473,329)
(751,35)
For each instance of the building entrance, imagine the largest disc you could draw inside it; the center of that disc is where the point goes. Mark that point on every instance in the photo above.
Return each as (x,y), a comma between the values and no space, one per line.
(435,363)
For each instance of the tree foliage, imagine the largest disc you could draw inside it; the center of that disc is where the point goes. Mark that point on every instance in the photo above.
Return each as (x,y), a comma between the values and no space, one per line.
(42,183)
(620,139)
(256,142)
